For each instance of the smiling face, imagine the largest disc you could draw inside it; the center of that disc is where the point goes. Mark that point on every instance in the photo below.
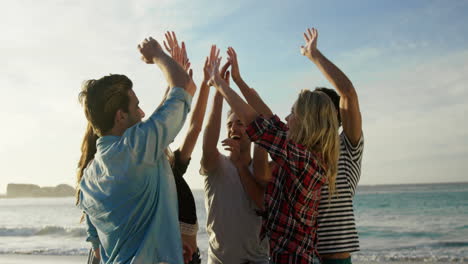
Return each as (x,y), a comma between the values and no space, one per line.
(236,130)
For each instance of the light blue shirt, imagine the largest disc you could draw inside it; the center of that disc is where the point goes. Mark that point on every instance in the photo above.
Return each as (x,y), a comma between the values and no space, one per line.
(128,191)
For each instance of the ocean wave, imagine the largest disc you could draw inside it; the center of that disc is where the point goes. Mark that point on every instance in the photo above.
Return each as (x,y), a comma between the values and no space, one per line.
(374,257)
(449,244)
(42,231)
(379,233)
(47,252)
(409,259)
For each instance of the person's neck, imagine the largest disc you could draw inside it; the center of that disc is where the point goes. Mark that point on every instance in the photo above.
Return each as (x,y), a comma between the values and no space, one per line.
(115,131)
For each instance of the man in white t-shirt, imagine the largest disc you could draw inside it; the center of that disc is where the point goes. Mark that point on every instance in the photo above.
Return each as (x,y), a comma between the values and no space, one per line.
(233,225)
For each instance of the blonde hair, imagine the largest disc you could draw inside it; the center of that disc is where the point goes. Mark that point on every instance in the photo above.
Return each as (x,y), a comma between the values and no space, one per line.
(316,127)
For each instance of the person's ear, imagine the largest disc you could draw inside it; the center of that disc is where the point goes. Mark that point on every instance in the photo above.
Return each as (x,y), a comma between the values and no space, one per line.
(120,116)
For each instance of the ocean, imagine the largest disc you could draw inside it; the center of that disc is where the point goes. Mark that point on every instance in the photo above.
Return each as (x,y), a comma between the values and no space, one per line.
(402,223)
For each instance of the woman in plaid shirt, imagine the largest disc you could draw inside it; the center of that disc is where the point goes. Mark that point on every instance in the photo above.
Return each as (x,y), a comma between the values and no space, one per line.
(306,151)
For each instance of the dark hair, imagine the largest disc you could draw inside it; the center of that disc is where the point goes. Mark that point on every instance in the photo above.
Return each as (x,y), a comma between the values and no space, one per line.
(101,99)
(88,149)
(335,97)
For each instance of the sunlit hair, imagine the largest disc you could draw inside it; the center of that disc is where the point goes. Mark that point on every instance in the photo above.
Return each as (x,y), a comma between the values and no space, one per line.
(101,99)
(316,127)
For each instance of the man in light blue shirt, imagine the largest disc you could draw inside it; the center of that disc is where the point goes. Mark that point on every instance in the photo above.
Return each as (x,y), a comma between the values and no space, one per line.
(126,187)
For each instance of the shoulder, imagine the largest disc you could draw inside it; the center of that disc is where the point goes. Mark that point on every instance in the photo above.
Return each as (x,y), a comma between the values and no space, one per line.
(222,163)
(347,146)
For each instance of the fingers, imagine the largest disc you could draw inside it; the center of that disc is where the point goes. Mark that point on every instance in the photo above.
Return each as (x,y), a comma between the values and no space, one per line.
(232,55)
(230,142)
(190,73)
(225,67)
(174,38)
(226,77)
(231,146)
(166,47)
(212,52)
(310,34)
(171,40)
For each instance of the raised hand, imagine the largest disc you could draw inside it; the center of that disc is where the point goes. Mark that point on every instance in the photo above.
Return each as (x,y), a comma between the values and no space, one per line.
(172,42)
(310,48)
(212,67)
(178,53)
(150,49)
(223,73)
(232,58)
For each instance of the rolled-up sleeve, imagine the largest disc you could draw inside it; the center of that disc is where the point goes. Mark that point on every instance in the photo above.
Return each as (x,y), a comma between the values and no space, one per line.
(271,134)
(148,139)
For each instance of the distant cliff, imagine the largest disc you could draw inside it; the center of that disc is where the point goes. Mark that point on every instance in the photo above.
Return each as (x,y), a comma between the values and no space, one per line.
(32,190)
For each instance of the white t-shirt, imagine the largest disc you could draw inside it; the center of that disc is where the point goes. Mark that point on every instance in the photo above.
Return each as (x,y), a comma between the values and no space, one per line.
(233,225)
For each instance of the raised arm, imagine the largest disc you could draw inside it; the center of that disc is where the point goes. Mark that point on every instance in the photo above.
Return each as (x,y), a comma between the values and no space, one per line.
(243,110)
(253,99)
(211,154)
(196,122)
(149,138)
(175,75)
(179,54)
(349,103)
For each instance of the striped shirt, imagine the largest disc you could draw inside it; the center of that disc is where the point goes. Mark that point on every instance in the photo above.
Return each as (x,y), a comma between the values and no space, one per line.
(336,226)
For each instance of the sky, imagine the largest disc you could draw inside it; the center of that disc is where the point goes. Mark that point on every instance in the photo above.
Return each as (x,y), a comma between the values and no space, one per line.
(408,61)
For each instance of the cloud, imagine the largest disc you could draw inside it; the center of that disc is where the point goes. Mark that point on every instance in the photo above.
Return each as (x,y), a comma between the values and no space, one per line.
(414,122)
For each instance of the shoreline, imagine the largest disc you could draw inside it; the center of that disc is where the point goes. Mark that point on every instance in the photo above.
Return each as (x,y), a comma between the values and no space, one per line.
(55,259)
(29,259)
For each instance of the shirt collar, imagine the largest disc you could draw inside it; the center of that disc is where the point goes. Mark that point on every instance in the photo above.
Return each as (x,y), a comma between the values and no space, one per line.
(106,140)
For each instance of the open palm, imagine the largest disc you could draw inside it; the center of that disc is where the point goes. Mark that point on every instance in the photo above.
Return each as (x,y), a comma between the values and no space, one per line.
(310,37)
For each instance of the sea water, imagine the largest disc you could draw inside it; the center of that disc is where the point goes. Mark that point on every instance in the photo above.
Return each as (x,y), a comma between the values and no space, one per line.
(427,222)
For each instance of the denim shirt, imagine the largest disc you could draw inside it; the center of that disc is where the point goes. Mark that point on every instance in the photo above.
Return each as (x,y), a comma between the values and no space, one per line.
(128,191)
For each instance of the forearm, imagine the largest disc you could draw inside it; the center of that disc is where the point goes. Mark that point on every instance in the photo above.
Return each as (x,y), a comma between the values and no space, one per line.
(253,99)
(212,129)
(334,75)
(244,111)
(349,103)
(196,123)
(174,73)
(261,167)
(198,113)
(253,189)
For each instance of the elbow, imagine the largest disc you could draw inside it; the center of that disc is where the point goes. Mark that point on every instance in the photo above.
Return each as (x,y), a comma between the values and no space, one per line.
(349,92)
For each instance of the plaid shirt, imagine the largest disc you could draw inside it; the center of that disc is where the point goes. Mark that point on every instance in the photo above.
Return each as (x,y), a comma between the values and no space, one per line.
(293,195)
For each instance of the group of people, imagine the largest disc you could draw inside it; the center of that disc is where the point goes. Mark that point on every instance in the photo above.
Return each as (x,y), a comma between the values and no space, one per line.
(296,208)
